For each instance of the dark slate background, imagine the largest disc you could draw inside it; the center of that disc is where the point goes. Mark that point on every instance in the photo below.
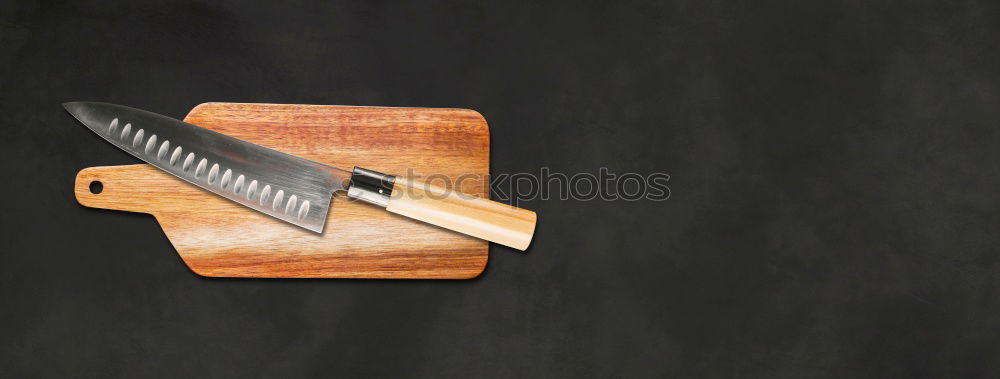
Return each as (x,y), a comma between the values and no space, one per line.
(834,170)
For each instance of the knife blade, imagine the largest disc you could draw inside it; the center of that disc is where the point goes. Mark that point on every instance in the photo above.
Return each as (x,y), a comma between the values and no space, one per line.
(281,185)
(291,188)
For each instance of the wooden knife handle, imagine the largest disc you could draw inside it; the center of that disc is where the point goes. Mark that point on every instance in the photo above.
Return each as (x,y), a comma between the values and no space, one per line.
(467,214)
(463,213)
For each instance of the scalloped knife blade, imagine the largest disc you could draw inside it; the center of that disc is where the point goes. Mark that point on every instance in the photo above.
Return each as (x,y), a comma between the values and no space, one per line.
(281,185)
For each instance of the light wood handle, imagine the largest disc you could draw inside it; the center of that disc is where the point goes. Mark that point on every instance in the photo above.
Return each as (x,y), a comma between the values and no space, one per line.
(467,214)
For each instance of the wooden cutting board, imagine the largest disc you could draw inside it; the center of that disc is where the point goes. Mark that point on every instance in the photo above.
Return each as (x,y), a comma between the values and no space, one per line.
(216,237)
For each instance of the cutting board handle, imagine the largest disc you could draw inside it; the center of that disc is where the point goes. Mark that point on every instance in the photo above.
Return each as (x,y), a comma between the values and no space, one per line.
(489,220)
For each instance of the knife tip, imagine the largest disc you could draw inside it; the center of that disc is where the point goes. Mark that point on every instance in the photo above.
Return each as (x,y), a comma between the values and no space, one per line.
(77,108)
(70,105)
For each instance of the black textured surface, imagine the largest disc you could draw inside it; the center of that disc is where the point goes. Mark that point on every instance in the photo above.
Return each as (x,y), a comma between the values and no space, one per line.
(834,177)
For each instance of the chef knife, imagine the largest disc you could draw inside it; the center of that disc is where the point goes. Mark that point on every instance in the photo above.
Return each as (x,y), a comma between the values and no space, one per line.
(291,188)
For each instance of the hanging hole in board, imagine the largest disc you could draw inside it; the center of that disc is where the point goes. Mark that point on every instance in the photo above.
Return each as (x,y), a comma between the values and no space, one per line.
(96,187)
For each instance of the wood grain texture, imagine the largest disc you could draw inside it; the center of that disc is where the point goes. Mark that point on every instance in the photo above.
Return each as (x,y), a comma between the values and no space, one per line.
(482,218)
(216,237)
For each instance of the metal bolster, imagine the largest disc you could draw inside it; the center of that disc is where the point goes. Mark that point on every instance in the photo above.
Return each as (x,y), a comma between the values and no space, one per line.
(371,186)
